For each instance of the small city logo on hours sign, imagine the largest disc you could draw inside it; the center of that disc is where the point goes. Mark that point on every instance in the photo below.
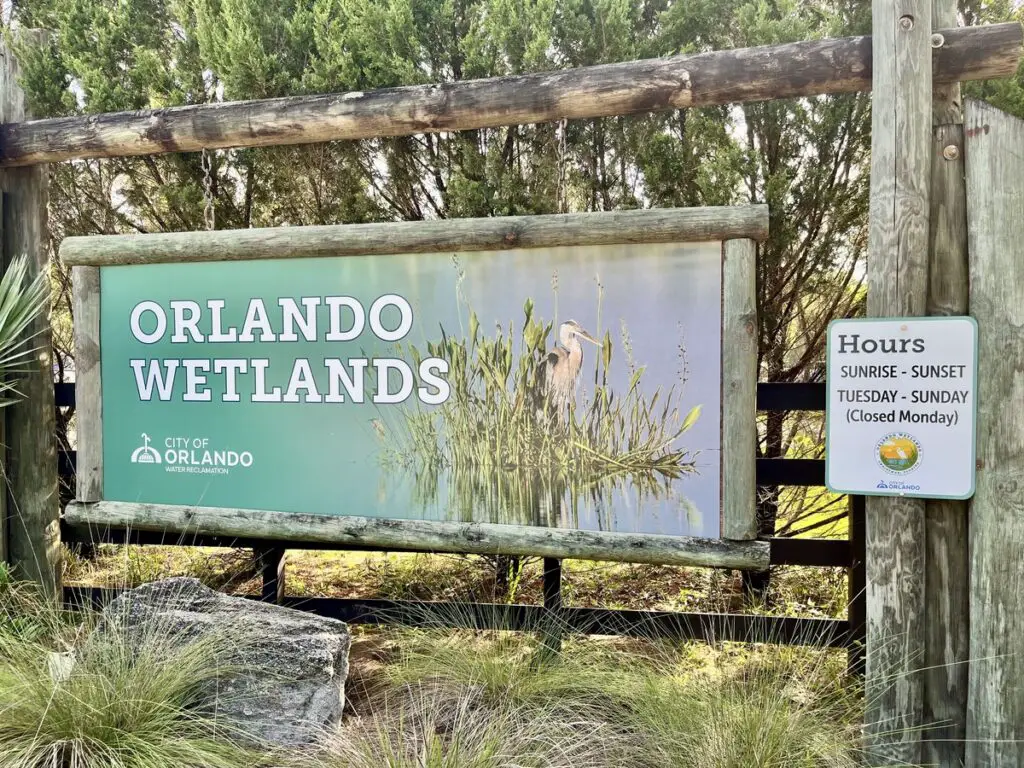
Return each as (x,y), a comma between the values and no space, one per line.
(144,454)
(898,453)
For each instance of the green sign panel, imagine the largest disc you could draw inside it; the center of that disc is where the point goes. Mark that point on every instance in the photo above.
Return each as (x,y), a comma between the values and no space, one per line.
(574,387)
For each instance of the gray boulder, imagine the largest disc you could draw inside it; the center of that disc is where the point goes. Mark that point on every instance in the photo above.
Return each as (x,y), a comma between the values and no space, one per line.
(287,684)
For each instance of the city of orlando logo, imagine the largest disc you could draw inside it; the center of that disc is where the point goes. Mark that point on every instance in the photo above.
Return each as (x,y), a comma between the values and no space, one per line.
(192,455)
(144,454)
(898,453)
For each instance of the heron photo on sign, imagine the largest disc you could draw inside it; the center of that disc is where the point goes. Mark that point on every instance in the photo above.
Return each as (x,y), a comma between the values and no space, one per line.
(573,387)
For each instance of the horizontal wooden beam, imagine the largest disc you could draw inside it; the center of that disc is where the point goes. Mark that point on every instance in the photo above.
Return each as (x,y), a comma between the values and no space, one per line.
(437,536)
(809,68)
(653,225)
(784,551)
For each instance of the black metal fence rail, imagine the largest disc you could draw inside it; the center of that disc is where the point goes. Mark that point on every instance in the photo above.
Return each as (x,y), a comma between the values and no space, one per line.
(812,552)
(713,627)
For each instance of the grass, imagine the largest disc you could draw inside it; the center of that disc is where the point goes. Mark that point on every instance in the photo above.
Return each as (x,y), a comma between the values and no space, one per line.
(604,703)
(124,701)
(423,728)
(114,566)
(436,698)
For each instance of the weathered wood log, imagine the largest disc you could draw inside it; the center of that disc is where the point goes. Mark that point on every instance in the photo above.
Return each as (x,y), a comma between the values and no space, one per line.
(897,287)
(739,390)
(88,393)
(31,451)
(654,225)
(995,231)
(807,68)
(425,535)
(946,553)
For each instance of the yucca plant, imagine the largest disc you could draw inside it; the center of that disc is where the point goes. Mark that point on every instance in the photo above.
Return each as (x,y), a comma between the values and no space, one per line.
(21,304)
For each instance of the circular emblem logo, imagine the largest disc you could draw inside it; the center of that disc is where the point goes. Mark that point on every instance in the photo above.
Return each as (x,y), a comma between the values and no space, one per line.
(898,453)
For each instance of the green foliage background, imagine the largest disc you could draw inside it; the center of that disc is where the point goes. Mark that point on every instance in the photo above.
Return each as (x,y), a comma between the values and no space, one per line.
(806,158)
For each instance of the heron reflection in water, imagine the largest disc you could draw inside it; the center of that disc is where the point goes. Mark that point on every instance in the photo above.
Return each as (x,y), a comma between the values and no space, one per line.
(559,372)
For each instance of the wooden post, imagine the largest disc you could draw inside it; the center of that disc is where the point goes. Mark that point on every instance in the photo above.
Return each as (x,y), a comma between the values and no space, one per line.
(552,583)
(856,611)
(33,498)
(995,187)
(271,563)
(946,556)
(897,286)
(85,295)
(551,634)
(739,389)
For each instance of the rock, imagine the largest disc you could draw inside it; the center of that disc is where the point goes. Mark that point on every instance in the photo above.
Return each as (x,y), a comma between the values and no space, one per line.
(296,663)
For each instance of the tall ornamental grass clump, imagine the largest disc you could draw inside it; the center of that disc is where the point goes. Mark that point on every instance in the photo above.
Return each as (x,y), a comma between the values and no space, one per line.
(416,727)
(442,699)
(649,704)
(70,698)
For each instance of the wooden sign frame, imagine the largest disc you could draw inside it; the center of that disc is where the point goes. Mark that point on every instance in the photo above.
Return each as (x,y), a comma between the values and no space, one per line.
(737,228)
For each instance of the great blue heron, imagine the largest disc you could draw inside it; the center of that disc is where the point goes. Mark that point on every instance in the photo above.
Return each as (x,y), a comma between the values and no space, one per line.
(560,369)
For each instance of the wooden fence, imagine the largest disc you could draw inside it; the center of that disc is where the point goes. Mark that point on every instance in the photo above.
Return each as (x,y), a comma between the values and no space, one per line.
(771,473)
(914,560)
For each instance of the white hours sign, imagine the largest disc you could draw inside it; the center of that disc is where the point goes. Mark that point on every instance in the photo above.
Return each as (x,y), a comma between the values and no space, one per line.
(901,403)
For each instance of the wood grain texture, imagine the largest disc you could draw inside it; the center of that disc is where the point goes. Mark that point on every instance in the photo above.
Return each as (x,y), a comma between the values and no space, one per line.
(11,109)
(391,533)
(947,609)
(34,513)
(721,77)
(88,392)
(856,588)
(654,225)
(739,390)
(995,219)
(947,274)
(946,102)
(897,286)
